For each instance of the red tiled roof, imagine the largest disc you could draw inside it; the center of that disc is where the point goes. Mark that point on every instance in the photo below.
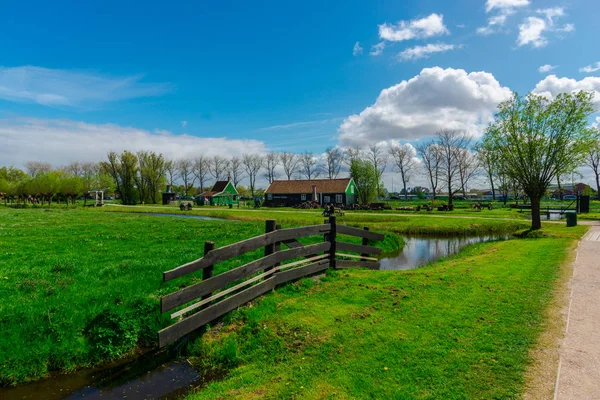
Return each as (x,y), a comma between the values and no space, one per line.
(216,189)
(305,186)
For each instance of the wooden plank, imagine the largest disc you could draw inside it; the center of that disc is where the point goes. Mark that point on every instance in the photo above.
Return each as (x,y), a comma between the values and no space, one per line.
(194,291)
(357,257)
(201,318)
(349,230)
(357,264)
(295,273)
(358,248)
(248,282)
(292,243)
(233,250)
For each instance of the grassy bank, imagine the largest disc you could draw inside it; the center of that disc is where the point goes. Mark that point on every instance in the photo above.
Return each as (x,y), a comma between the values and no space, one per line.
(422,224)
(462,328)
(79,286)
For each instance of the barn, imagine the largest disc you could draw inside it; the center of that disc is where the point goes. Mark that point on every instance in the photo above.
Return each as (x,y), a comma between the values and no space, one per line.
(223,193)
(341,192)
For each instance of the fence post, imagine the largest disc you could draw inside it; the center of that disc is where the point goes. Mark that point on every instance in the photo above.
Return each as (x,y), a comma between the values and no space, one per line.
(270,226)
(277,245)
(365,242)
(208,271)
(332,239)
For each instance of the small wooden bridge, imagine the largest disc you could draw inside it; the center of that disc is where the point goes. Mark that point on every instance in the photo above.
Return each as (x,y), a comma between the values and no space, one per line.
(224,292)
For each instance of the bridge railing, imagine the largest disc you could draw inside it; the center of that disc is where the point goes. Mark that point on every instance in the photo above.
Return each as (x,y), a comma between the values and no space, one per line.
(200,303)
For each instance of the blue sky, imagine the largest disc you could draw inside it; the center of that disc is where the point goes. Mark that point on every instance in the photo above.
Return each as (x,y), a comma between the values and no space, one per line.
(276,75)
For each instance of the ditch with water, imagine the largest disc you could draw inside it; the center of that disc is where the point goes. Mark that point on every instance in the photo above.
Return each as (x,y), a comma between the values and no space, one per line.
(162,375)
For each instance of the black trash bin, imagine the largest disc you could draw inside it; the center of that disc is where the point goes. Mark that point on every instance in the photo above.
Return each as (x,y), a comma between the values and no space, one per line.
(571,219)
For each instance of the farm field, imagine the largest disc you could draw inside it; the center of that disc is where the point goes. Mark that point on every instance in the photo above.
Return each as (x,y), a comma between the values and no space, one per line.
(80,286)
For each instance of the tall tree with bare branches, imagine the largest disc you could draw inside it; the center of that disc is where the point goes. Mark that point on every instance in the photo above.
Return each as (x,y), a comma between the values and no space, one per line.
(289,161)
(309,165)
(252,164)
(271,161)
(593,161)
(431,160)
(185,170)
(236,170)
(450,144)
(403,156)
(219,166)
(334,157)
(201,170)
(379,159)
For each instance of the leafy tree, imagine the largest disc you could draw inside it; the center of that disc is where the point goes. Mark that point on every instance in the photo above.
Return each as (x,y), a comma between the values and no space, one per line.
(150,177)
(123,170)
(379,159)
(365,178)
(536,139)
(593,160)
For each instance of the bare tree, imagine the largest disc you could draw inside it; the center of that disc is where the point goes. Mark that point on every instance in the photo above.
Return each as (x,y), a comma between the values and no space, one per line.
(185,172)
(252,164)
(236,169)
(351,154)
(308,165)
(430,157)
(334,157)
(378,159)
(450,144)
(170,171)
(271,162)
(218,167)
(468,167)
(487,161)
(74,168)
(35,167)
(201,170)
(403,156)
(289,162)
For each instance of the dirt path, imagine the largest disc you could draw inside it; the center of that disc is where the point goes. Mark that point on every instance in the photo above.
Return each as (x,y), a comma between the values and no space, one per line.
(579,366)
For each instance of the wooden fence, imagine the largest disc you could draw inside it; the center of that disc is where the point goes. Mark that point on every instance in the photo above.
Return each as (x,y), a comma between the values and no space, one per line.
(216,294)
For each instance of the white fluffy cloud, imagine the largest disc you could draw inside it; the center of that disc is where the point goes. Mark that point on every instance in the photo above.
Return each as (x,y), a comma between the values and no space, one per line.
(552,85)
(357,49)
(377,49)
(504,4)
(503,8)
(72,89)
(590,68)
(62,141)
(432,25)
(416,108)
(546,68)
(532,30)
(414,53)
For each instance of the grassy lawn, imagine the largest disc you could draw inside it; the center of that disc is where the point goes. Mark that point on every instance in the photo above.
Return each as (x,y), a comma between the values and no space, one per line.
(461,328)
(80,286)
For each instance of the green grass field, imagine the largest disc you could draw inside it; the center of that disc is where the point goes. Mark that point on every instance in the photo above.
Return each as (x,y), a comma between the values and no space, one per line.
(461,328)
(80,286)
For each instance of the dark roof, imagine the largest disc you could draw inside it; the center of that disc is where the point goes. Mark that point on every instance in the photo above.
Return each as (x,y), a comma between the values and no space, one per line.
(305,186)
(216,189)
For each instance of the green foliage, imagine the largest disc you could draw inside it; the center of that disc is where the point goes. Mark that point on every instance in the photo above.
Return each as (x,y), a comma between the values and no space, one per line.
(537,140)
(366,179)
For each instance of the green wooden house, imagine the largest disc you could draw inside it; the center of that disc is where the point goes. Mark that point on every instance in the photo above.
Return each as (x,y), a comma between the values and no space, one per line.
(223,193)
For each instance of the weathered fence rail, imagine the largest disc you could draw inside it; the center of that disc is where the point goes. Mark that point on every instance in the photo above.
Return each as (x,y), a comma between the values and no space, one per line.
(222,293)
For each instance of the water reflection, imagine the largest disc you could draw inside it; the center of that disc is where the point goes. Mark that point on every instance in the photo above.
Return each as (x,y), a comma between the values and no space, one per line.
(420,251)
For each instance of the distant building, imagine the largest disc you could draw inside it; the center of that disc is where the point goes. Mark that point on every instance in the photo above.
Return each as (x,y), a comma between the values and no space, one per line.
(223,193)
(568,189)
(342,192)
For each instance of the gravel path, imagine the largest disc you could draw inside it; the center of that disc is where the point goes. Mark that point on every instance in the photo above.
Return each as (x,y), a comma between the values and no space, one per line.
(579,366)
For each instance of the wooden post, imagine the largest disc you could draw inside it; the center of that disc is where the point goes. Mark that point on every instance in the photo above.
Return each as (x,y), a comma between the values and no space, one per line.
(365,242)
(277,245)
(332,239)
(208,271)
(270,226)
